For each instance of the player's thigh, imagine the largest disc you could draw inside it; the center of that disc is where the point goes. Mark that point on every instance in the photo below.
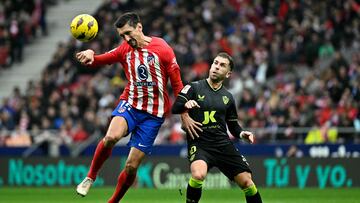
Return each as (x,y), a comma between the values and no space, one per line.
(231,162)
(144,134)
(118,128)
(122,122)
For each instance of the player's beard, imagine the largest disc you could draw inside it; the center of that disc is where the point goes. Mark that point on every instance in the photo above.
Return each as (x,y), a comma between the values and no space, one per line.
(214,77)
(133,43)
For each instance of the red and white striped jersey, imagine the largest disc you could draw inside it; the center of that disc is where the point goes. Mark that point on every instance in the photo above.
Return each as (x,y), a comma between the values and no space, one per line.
(147,71)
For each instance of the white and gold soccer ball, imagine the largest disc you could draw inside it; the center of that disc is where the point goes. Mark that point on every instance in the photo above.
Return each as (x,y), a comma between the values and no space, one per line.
(84,27)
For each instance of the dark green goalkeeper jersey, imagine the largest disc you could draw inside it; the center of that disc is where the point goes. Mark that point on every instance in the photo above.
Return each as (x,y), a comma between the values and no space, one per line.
(217,109)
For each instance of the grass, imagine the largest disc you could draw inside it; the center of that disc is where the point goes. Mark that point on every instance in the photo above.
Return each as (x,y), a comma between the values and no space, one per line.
(269,195)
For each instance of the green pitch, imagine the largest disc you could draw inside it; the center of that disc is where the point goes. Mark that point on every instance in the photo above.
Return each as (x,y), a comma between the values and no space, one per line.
(67,195)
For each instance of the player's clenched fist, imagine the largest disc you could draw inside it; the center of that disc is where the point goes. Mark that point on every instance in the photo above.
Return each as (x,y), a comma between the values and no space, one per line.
(85,57)
(191,104)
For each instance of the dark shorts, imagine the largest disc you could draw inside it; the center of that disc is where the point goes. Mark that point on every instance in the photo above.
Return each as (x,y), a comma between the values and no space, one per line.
(227,159)
(142,126)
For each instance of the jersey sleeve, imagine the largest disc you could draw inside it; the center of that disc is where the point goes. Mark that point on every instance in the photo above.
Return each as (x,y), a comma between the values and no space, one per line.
(109,57)
(187,93)
(172,69)
(232,119)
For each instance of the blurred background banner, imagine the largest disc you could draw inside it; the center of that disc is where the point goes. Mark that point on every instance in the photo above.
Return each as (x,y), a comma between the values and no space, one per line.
(350,150)
(169,172)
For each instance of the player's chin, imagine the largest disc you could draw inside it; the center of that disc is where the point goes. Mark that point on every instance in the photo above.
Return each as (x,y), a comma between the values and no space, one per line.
(133,43)
(214,77)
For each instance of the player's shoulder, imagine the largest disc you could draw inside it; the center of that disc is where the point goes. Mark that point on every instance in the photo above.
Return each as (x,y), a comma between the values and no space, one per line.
(225,89)
(197,83)
(191,85)
(123,46)
(160,41)
(226,92)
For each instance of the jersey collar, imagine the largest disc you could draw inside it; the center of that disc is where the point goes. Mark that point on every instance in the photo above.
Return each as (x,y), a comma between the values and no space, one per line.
(215,90)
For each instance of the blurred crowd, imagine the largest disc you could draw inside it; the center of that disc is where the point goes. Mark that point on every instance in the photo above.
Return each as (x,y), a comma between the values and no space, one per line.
(297,75)
(21,21)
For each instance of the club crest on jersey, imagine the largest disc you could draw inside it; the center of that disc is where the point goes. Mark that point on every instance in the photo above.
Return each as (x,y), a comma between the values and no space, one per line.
(121,109)
(225,99)
(124,106)
(142,72)
(150,59)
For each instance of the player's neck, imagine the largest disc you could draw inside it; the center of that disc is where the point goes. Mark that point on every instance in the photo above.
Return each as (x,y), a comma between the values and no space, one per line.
(146,41)
(214,84)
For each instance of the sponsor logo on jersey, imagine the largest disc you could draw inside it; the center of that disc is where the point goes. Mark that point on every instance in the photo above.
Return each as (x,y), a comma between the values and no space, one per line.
(142,72)
(201,98)
(151,83)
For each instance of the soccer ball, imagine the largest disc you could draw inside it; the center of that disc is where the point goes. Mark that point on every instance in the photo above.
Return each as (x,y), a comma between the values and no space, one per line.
(84,27)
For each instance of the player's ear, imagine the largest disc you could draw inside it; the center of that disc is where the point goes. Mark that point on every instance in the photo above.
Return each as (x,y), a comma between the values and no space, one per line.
(228,74)
(139,26)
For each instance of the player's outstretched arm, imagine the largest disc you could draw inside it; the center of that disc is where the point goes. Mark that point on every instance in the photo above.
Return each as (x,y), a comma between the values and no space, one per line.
(89,58)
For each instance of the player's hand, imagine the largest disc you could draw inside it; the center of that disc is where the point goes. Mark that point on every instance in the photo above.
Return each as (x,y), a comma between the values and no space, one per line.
(190,126)
(191,104)
(247,136)
(85,57)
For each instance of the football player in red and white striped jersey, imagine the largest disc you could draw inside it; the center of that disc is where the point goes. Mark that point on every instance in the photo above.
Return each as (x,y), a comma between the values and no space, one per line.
(149,62)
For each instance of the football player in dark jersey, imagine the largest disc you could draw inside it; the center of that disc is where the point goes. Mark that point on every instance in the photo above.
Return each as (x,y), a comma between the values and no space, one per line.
(213,111)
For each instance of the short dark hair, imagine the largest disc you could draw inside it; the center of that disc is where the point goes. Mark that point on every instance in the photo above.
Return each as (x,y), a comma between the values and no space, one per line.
(228,57)
(129,18)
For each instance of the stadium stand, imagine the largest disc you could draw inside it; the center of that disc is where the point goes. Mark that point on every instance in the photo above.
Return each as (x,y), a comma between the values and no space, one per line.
(296,78)
(20,23)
